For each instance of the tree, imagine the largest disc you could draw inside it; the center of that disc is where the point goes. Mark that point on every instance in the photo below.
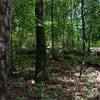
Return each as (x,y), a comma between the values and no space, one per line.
(83,24)
(40,73)
(5,6)
(52,29)
(83,33)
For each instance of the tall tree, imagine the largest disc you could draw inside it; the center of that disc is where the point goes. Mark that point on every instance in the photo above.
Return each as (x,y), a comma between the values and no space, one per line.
(83,24)
(52,28)
(83,34)
(63,17)
(41,59)
(5,6)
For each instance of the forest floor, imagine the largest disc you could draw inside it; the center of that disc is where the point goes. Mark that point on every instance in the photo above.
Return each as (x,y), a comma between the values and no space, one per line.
(65,84)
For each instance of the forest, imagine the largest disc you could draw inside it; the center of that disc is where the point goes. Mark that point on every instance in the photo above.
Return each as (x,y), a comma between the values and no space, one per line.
(49,49)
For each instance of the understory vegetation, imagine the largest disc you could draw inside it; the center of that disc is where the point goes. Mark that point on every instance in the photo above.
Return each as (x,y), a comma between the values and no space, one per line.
(65,82)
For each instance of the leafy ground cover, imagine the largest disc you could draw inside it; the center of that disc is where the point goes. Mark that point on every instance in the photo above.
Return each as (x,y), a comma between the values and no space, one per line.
(65,84)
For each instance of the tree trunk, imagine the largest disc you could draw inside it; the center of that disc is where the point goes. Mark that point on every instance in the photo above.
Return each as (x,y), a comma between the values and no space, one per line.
(64,36)
(40,73)
(83,36)
(5,6)
(89,41)
(52,29)
(83,25)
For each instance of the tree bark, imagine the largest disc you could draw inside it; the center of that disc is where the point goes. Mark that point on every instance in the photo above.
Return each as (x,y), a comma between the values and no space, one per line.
(83,36)
(83,25)
(52,28)
(5,6)
(41,59)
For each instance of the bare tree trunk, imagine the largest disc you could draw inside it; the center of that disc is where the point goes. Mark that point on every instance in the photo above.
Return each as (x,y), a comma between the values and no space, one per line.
(52,28)
(83,36)
(64,39)
(4,45)
(41,59)
(83,25)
